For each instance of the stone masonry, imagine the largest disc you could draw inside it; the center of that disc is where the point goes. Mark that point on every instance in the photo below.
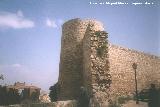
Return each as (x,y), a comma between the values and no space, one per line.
(70,76)
(121,60)
(84,60)
(71,59)
(97,78)
(87,59)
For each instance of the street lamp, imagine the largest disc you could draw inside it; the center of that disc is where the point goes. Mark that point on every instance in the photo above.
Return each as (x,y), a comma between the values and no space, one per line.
(135,69)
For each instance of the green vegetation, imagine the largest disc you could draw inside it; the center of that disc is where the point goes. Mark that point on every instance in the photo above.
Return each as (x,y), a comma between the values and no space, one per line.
(98,33)
(114,104)
(119,101)
(1,77)
(9,96)
(124,99)
(101,50)
(53,94)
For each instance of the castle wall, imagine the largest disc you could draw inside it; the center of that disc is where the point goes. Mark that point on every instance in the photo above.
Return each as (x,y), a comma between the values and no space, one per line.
(87,50)
(96,65)
(71,59)
(70,74)
(81,66)
(121,60)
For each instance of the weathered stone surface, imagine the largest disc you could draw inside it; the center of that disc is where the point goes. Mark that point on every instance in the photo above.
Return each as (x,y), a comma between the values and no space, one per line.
(123,81)
(70,76)
(71,59)
(97,78)
(88,60)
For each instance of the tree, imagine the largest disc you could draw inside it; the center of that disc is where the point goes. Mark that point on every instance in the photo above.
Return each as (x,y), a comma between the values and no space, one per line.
(1,77)
(9,96)
(53,94)
(35,96)
(13,96)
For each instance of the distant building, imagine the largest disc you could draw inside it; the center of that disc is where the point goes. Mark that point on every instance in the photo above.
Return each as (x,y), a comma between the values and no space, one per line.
(44,98)
(29,93)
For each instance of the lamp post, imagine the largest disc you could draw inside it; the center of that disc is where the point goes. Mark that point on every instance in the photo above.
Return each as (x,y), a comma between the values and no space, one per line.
(135,70)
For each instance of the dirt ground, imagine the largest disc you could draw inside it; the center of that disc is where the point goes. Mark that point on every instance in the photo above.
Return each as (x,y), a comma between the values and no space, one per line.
(133,104)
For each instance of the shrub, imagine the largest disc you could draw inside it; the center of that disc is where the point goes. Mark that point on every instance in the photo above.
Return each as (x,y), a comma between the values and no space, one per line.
(101,50)
(123,99)
(98,33)
(114,104)
(53,94)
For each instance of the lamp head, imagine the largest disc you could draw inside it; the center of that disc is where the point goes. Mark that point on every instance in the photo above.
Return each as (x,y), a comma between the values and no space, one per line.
(134,65)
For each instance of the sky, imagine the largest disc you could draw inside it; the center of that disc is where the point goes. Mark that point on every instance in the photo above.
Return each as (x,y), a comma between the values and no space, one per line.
(30,33)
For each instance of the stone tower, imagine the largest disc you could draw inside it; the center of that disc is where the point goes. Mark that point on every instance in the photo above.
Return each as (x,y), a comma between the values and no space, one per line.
(70,74)
(96,66)
(81,40)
